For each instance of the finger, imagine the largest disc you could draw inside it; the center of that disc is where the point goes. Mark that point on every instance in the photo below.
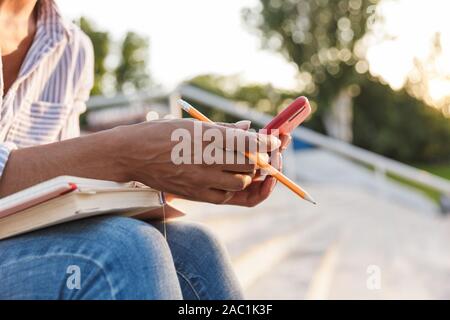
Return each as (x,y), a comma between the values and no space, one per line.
(249,168)
(264,157)
(275,159)
(258,176)
(243,124)
(285,141)
(232,138)
(231,181)
(272,160)
(228,160)
(215,196)
(264,190)
(267,143)
(238,140)
(267,187)
(236,158)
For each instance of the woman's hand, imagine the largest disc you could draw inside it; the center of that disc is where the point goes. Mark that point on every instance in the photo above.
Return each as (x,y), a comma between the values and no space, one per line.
(143,153)
(147,155)
(258,191)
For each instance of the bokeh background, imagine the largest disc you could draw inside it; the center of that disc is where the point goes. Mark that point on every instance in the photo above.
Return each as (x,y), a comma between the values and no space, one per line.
(375,152)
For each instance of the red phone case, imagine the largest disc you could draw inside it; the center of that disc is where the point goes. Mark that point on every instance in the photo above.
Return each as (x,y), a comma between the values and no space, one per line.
(291,117)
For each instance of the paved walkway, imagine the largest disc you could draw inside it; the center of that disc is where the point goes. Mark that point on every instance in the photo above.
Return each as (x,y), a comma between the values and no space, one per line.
(357,243)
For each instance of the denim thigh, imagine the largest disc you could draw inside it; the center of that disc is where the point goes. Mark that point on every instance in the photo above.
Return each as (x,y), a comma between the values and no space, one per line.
(107,257)
(203,266)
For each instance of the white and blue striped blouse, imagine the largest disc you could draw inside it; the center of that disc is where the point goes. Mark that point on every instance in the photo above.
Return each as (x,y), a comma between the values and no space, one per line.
(44,103)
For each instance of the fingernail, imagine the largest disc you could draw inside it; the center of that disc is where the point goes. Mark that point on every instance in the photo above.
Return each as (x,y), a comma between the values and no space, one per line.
(248,181)
(275,143)
(243,124)
(264,157)
(268,142)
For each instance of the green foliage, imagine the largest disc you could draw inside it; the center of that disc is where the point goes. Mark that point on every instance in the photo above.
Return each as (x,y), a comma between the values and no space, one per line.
(325,39)
(101,42)
(262,97)
(430,192)
(387,122)
(322,37)
(132,69)
(216,85)
(398,126)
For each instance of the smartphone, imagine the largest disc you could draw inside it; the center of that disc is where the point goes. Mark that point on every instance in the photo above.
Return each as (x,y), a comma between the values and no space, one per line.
(291,117)
(285,122)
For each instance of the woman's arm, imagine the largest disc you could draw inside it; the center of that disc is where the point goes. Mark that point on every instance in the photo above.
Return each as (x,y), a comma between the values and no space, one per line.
(141,152)
(93,156)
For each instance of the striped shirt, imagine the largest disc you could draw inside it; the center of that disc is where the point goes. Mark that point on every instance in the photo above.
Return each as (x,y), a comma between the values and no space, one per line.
(44,103)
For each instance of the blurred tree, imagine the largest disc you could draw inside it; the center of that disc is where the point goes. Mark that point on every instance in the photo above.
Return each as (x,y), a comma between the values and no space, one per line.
(131,73)
(387,122)
(101,42)
(324,39)
(263,97)
(218,85)
(400,126)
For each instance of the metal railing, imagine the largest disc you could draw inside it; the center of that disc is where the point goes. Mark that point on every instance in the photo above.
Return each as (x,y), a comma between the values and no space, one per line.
(98,102)
(382,165)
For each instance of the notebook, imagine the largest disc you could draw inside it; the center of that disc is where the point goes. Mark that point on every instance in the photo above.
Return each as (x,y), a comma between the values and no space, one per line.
(67,198)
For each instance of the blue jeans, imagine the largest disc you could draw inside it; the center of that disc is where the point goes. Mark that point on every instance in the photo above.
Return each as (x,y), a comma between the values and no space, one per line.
(115,257)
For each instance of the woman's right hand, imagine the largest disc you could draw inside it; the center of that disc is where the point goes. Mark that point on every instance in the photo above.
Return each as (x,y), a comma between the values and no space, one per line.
(146,154)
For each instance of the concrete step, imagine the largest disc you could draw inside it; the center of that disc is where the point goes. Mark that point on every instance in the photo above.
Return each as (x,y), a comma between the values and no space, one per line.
(288,249)
(256,238)
(260,256)
(294,276)
(409,252)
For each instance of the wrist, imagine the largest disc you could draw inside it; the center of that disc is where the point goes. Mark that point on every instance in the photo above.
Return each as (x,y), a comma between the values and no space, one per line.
(117,145)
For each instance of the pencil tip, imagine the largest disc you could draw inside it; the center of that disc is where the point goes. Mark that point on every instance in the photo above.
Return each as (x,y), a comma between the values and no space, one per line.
(310,199)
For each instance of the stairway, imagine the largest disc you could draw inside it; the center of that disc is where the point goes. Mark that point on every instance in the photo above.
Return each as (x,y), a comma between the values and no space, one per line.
(287,248)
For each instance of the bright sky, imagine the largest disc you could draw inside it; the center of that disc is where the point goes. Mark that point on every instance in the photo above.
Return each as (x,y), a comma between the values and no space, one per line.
(206,36)
(413,24)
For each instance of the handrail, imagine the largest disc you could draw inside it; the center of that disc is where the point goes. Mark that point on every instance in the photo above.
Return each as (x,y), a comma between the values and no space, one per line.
(381,163)
(98,102)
